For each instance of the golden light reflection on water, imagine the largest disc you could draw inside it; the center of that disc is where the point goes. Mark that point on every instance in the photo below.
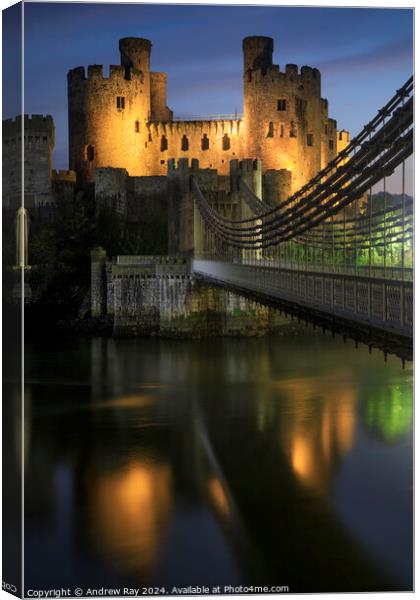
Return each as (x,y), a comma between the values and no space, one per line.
(219,497)
(318,429)
(129,401)
(131,510)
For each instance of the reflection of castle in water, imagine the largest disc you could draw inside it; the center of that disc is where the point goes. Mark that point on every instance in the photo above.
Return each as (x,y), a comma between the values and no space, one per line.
(148,461)
(315,441)
(130,509)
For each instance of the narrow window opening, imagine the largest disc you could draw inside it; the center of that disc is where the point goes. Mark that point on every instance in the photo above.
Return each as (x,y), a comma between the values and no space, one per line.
(162,162)
(205,143)
(331,144)
(326,128)
(89,153)
(184,143)
(270,132)
(163,143)
(120,102)
(281,104)
(226,142)
(309,139)
(281,130)
(137,126)
(293,130)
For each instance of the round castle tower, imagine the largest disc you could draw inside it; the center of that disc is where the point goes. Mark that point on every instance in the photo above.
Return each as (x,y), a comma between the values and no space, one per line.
(286,121)
(108,115)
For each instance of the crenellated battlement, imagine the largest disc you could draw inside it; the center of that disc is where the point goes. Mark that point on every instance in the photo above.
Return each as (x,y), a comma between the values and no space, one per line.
(232,126)
(43,124)
(96,72)
(343,136)
(183,164)
(63,175)
(246,165)
(121,119)
(308,76)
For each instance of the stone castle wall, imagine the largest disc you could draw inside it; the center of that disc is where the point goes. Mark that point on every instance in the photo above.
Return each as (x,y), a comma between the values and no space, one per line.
(285,117)
(285,122)
(157,295)
(106,131)
(38,142)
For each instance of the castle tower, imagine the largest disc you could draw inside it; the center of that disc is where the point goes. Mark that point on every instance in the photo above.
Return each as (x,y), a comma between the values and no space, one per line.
(258,53)
(285,120)
(135,54)
(108,115)
(107,120)
(38,142)
(159,110)
(122,120)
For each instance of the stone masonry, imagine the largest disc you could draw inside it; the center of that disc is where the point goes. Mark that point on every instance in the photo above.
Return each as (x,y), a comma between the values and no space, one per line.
(121,120)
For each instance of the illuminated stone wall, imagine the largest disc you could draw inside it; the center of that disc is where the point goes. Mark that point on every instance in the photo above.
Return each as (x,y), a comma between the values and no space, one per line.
(285,119)
(123,121)
(103,131)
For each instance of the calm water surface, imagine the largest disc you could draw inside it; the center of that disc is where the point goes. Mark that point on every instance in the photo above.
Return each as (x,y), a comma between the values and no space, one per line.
(284,460)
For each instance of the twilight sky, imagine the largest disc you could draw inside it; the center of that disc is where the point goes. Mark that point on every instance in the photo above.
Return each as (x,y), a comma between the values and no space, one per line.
(363,54)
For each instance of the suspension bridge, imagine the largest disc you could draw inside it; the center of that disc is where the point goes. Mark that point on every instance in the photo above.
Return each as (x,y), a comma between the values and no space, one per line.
(339,251)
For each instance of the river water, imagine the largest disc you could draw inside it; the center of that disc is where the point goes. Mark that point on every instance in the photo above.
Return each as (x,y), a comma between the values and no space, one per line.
(282,461)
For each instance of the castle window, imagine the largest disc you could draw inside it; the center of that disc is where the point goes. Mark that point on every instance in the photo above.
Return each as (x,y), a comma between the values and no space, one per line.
(163,143)
(150,137)
(120,102)
(184,143)
(137,126)
(162,162)
(89,153)
(293,130)
(205,143)
(281,104)
(326,128)
(300,106)
(282,130)
(309,139)
(331,144)
(270,132)
(44,138)
(226,142)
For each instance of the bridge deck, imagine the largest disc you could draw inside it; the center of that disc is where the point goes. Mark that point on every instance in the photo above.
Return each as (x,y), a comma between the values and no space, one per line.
(383,303)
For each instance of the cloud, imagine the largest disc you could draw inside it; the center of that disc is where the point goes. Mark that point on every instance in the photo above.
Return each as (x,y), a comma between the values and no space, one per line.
(390,55)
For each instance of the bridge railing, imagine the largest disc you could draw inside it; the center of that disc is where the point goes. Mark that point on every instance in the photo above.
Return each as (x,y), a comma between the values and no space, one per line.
(380,303)
(345,220)
(379,272)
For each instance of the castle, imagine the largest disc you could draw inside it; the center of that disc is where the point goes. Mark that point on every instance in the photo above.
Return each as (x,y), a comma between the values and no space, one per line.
(126,147)
(122,135)
(43,185)
(123,121)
